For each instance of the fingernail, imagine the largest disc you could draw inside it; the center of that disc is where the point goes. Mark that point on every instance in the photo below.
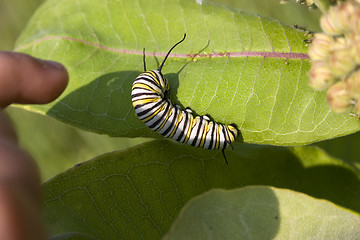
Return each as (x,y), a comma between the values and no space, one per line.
(53,64)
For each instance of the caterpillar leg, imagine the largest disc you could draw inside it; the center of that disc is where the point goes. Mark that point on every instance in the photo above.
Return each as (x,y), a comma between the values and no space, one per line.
(223,152)
(232,147)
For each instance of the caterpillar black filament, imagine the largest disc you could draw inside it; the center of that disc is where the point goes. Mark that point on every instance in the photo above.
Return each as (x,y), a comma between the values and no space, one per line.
(159,114)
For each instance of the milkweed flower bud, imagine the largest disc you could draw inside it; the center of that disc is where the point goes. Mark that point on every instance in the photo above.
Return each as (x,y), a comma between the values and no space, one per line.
(338,97)
(341,62)
(320,46)
(330,24)
(355,49)
(336,57)
(355,20)
(340,43)
(321,76)
(337,20)
(345,12)
(353,85)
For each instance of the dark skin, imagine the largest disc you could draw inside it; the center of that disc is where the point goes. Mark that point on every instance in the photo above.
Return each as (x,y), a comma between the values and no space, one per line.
(23,79)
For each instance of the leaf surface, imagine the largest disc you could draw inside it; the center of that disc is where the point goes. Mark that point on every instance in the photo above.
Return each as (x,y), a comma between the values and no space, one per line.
(248,70)
(263,213)
(138,193)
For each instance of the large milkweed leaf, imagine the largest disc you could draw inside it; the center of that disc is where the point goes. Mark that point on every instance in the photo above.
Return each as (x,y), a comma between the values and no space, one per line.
(251,71)
(137,193)
(71,236)
(279,213)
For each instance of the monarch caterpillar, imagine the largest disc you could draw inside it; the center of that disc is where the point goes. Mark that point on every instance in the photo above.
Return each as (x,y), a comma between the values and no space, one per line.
(159,114)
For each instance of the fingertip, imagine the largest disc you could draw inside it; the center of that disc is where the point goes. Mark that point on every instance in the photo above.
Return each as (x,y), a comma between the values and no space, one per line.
(47,80)
(56,78)
(25,79)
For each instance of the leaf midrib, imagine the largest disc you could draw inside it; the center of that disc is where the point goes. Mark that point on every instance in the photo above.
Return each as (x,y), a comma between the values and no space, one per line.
(287,55)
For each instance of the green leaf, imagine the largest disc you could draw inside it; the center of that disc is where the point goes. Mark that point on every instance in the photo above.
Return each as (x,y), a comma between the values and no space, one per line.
(139,192)
(291,13)
(344,148)
(72,236)
(57,147)
(242,75)
(263,213)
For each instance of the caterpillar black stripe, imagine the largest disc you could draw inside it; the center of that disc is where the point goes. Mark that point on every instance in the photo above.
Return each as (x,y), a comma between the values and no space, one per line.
(159,114)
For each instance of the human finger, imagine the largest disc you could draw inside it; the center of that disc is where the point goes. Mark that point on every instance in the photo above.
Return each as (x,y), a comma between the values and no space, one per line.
(17,168)
(25,79)
(20,219)
(6,129)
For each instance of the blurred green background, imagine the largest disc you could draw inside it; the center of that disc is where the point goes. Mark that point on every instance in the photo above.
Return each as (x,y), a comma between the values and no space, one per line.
(56,146)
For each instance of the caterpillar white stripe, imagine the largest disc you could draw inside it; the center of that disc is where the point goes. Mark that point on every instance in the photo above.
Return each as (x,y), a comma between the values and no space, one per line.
(159,114)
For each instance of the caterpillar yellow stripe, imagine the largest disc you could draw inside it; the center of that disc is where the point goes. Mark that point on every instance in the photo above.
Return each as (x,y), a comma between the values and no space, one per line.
(159,114)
